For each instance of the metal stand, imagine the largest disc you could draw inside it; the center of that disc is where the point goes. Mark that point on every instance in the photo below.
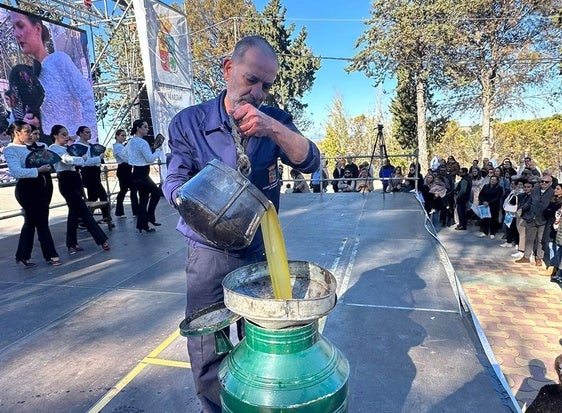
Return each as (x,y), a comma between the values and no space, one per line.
(379,142)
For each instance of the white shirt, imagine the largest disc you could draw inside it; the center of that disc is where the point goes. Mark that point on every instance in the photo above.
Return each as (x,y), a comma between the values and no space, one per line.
(120,153)
(139,152)
(67,161)
(15,155)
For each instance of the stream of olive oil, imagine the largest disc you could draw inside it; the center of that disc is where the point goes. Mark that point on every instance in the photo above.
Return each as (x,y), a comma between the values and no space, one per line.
(276,255)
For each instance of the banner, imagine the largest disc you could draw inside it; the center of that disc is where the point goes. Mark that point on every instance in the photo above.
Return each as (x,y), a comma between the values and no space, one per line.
(44,74)
(166,56)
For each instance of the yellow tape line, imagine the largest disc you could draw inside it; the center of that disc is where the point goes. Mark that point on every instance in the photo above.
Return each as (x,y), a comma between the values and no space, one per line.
(150,359)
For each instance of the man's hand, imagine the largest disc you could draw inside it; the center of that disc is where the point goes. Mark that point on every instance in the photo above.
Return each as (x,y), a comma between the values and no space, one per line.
(250,121)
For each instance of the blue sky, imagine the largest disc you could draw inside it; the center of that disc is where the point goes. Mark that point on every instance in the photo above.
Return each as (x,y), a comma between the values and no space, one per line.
(332,32)
(333,27)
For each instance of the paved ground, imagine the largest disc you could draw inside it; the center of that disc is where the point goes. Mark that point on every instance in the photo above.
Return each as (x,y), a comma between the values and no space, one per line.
(100,332)
(518,307)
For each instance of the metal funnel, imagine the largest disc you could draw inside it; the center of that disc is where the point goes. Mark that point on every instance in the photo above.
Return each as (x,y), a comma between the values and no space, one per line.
(248,292)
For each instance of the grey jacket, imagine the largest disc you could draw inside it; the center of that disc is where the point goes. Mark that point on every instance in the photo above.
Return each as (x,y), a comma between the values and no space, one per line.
(533,207)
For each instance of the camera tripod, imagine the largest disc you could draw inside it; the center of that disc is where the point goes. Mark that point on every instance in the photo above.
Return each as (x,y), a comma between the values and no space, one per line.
(381,144)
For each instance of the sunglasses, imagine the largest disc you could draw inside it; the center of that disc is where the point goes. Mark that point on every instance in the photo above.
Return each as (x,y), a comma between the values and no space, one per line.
(546,182)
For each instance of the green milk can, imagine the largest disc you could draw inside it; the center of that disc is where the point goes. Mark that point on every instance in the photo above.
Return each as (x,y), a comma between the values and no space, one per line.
(289,370)
(283,364)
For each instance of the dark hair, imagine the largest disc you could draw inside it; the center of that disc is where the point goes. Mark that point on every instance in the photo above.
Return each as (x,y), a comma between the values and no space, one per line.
(465,170)
(249,42)
(55,130)
(16,126)
(81,129)
(136,124)
(34,20)
(118,132)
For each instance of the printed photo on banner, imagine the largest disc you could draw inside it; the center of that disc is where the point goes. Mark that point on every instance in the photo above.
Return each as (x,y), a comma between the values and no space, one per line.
(44,73)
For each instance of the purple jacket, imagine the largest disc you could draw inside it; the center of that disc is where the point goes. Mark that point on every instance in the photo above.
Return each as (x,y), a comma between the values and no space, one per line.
(201,133)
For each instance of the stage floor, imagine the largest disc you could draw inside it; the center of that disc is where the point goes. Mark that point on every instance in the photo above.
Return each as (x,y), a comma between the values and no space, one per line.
(100,332)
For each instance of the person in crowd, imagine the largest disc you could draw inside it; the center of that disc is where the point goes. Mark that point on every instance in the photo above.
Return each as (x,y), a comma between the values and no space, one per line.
(32,193)
(338,173)
(71,189)
(453,167)
(91,172)
(448,211)
(548,241)
(365,181)
(532,212)
(59,77)
(141,157)
(556,275)
(462,197)
(507,167)
(397,179)
(523,198)
(505,183)
(438,192)
(280,170)
(124,175)
(487,173)
(434,163)
(510,207)
(347,183)
(490,196)
(534,168)
(352,166)
(412,180)
(320,180)
(300,185)
(550,173)
(427,197)
(549,397)
(196,136)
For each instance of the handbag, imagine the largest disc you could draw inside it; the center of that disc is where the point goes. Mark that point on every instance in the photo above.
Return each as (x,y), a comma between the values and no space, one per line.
(510,203)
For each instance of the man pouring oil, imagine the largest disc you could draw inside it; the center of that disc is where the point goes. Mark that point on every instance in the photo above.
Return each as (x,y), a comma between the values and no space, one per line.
(236,129)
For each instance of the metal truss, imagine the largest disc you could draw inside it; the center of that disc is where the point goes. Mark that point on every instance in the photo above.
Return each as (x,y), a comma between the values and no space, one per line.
(101,19)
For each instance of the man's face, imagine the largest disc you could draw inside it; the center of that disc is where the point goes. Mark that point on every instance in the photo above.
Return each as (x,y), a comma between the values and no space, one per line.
(249,79)
(528,187)
(546,181)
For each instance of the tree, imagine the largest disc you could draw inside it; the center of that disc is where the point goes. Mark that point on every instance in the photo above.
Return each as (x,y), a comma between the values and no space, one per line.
(502,49)
(337,136)
(410,35)
(404,111)
(297,64)
(215,27)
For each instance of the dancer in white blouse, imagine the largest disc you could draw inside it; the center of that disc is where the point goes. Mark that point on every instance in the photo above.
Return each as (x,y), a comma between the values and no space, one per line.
(70,187)
(141,157)
(32,195)
(124,175)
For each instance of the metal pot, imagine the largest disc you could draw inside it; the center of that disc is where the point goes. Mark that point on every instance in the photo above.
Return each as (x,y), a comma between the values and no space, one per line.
(222,205)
